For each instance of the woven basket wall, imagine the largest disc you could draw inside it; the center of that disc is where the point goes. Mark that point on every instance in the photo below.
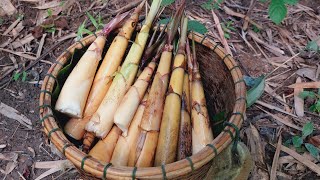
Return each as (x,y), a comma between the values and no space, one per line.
(225,91)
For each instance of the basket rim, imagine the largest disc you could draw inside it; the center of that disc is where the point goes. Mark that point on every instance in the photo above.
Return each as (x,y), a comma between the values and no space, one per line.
(172,170)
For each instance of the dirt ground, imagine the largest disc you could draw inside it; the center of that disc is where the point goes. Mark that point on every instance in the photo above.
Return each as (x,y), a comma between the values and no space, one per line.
(26,146)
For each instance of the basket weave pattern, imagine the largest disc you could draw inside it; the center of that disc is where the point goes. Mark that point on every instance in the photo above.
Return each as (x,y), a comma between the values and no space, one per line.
(194,167)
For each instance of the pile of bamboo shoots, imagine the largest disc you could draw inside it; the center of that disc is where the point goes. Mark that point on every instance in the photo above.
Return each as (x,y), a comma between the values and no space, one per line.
(149,109)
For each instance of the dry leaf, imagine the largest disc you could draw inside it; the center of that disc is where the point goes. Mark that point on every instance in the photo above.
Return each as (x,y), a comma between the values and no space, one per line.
(9,167)
(298,101)
(308,72)
(11,156)
(48,5)
(315,140)
(306,85)
(314,167)
(32,151)
(14,114)
(2,146)
(7,7)
(273,173)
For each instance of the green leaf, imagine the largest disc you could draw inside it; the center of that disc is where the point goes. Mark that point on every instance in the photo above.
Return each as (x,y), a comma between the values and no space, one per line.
(256,91)
(255,29)
(263,1)
(277,11)
(94,22)
(80,30)
(287,142)
(226,35)
(164,21)
(250,81)
(87,31)
(291,2)
(196,26)
(166,2)
(207,5)
(1,21)
(313,150)
(313,108)
(317,105)
(62,74)
(16,76)
(313,46)
(305,94)
(307,129)
(49,12)
(297,141)
(51,30)
(24,76)
(219,116)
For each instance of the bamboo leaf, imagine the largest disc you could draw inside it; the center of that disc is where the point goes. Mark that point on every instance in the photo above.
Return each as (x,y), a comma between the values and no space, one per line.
(16,76)
(63,75)
(256,91)
(94,22)
(196,26)
(24,76)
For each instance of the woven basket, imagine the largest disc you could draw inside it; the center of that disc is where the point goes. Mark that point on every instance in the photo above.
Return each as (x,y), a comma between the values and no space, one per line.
(224,89)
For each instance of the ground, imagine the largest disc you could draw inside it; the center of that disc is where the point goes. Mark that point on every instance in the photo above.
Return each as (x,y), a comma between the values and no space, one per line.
(278,48)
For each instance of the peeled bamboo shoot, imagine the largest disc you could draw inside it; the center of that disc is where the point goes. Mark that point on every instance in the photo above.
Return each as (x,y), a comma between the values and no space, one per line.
(102,120)
(125,144)
(74,93)
(104,148)
(102,81)
(131,100)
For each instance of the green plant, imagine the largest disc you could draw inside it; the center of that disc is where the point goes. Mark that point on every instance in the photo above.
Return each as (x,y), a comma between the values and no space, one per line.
(166,2)
(49,27)
(313,45)
(316,106)
(299,141)
(97,23)
(212,4)
(277,9)
(227,27)
(196,26)
(17,75)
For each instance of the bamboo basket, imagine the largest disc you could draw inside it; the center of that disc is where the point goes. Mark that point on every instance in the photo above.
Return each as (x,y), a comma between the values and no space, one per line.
(224,89)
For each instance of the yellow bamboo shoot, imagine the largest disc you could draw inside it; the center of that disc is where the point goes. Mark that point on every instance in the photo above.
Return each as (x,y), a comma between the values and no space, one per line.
(201,129)
(169,131)
(103,119)
(125,144)
(103,150)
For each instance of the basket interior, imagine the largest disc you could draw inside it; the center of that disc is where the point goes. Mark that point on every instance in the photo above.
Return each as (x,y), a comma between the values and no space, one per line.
(217,82)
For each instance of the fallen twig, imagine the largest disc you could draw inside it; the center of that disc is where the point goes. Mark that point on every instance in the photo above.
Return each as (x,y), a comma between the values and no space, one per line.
(221,33)
(275,160)
(246,18)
